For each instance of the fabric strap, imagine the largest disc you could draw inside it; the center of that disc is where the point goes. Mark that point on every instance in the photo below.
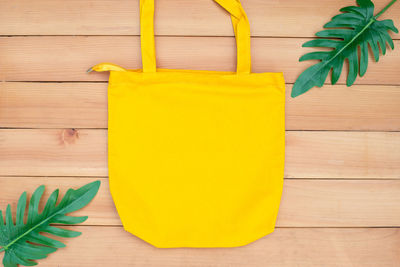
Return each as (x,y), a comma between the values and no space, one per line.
(240,24)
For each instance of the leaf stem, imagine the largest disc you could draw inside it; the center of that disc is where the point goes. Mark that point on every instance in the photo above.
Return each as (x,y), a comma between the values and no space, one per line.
(384,9)
(372,20)
(33,228)
(57,212)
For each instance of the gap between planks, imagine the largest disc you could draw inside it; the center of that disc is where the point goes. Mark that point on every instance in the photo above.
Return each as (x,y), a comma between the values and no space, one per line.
(305,203)
(286,247)
(311,154)
(290,18)
(83,105)
(38,58)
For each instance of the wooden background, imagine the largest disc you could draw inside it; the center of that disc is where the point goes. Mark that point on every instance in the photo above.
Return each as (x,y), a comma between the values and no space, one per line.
(341,200)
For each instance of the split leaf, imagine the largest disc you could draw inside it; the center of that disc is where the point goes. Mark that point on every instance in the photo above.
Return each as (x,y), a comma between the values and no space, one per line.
(23,241)
(347,37)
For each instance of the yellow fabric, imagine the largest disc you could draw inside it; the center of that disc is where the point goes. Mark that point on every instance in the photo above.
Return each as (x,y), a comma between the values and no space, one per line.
(196,157)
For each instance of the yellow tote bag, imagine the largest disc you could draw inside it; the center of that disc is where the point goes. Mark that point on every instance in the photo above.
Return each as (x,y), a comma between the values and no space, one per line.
(196,157)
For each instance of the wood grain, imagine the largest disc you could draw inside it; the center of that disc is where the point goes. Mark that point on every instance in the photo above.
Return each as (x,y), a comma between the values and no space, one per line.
(53,152)
(313,154)
(66,58)
(53,105)
(340,205)
(289,18)
(305,203)
(112,246)
(84,105)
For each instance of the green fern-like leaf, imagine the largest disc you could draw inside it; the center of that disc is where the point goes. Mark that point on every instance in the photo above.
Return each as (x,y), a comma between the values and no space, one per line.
(347,34)
(22,241)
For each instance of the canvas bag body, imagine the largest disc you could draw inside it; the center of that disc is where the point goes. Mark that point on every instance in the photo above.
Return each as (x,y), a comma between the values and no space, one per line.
(196,158)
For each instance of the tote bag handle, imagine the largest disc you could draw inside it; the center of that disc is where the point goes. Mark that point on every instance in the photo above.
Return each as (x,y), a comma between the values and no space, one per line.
(240,24)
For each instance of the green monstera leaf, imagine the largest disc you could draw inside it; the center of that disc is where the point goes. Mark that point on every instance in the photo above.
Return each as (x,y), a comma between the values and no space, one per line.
(348,36)
(22,241)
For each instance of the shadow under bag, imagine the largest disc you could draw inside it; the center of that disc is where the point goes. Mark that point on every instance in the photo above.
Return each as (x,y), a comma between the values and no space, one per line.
(196,158)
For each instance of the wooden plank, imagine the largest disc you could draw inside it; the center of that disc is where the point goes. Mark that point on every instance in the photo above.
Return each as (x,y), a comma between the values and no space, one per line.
(342,203)
(305,203)
(53,105)
(314,154)
(287,18)
(53,152)
(112,246)
(84,105)
(342,155)
(66,58)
